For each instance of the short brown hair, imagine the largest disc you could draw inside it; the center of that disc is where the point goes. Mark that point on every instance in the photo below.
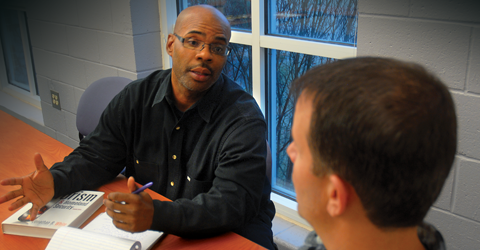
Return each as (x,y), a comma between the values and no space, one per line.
(388,128)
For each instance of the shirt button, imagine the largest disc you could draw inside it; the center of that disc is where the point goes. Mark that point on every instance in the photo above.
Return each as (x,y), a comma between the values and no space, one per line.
(188,178)
(171,183)
(177,128)
(174,157)
(138,162)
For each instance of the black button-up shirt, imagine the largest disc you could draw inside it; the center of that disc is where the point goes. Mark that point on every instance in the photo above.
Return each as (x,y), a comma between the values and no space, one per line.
(209,160)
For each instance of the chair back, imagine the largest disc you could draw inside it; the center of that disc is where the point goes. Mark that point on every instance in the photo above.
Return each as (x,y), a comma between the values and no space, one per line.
(94,101)
(269,163)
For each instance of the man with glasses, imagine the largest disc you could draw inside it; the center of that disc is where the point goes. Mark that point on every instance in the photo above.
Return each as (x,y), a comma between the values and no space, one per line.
(190,130)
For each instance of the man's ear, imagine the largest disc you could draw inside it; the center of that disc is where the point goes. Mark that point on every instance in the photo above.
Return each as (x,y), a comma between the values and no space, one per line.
(169,45)
(338,194)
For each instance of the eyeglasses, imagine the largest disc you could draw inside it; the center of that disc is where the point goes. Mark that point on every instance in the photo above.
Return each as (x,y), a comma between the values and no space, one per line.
(215,48)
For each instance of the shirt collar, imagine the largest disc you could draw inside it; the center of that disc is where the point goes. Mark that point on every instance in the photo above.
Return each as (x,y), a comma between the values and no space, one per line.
(165,86)
(205,106)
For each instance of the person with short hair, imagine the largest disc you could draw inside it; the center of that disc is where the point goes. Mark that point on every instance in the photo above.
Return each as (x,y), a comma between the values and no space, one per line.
(373,141)
(190,130)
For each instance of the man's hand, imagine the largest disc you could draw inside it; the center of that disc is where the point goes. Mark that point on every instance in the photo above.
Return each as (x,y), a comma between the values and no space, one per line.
(37,188)
(130,212)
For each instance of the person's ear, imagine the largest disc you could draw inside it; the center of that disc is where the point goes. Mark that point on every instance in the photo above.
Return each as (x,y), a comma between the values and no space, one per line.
(338,193)
(169,45)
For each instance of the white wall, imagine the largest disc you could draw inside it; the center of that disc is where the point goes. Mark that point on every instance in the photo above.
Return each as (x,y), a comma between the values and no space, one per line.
(444,36)
(75,43)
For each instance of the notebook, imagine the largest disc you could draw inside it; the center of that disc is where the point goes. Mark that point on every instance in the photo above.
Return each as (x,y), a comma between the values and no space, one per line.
(102,234)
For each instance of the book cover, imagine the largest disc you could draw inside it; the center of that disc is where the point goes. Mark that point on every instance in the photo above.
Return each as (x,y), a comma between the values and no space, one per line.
(70,210)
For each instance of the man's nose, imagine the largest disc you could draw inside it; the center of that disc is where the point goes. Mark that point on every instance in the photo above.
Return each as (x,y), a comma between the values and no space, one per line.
(205,53)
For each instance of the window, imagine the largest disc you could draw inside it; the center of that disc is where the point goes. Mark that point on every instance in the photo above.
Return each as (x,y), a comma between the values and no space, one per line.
(288,66)
(16,63)
(275,42)
(239,66)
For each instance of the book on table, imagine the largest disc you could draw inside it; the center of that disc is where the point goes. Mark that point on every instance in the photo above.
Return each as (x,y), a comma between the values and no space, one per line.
(70,210)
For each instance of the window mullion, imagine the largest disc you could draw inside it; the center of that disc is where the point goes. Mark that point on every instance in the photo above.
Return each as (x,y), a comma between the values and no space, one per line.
(258,60)
(308,47)
(168,16)
(243,38)
(3,69)
(28,56)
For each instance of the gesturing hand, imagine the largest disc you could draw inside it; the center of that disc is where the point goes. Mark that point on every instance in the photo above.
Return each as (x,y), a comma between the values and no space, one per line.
(36,187)
(130,212)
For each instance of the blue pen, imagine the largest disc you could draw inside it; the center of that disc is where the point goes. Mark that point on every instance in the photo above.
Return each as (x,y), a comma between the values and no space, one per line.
(143,188)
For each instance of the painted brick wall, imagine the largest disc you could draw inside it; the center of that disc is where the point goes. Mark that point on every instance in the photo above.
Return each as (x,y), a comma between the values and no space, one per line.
(444,36)
(75,43)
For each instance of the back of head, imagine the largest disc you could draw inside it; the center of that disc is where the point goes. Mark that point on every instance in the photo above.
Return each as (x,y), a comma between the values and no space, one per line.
(386,127)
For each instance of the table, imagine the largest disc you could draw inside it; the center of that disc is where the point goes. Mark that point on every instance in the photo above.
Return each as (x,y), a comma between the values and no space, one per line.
(18,143)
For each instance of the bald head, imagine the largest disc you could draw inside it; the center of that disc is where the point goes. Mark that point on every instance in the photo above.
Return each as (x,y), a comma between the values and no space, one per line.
(202,13)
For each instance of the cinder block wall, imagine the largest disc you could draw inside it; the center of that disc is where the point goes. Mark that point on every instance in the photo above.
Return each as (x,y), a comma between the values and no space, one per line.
(75,43)
(444,36)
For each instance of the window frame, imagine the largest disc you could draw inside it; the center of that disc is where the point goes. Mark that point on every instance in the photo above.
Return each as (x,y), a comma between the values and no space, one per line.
(30,97)
(260,43)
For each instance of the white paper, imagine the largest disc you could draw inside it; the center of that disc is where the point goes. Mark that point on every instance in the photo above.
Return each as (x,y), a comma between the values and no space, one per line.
(77,239)
(103,224)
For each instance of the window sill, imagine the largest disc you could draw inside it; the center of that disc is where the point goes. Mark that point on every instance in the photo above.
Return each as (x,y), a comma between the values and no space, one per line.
(288,209)
(21,108)
(289,229)
(287,234)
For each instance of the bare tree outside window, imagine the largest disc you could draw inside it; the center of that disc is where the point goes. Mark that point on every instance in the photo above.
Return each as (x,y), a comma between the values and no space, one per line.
(327,20)
(239,66)
(332,21)
(238,12)
(289,66)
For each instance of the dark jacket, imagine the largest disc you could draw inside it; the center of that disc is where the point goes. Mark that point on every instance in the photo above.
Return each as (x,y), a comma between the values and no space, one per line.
(430,237)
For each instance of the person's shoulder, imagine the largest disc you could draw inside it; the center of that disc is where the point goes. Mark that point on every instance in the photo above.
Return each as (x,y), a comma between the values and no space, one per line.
(152,80)
(430,237)
(236,97)
(233,87)
(146,88)
(140,92)
(312,242)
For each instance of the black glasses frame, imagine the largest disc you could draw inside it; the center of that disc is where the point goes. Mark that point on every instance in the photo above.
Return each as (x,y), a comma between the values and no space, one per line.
(182,40)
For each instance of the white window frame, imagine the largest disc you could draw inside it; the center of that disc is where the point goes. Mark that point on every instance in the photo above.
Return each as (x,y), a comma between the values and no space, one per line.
(29,97)
(260,42)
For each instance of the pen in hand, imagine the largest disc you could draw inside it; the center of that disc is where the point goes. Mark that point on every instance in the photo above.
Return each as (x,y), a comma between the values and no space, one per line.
(143,188)
(139,190)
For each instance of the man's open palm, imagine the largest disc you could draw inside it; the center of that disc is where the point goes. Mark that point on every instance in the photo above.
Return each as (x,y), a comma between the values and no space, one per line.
(36,187)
